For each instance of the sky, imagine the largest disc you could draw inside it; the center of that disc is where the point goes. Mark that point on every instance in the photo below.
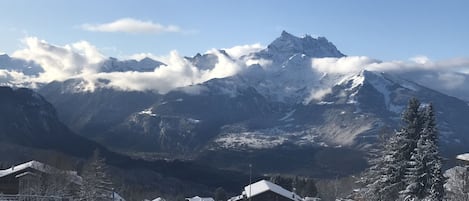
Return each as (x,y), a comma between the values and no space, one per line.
(385,30)
(424,40)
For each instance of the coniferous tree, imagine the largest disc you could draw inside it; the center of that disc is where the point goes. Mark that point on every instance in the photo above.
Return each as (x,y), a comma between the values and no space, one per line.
(413,123)
(305,187)
(96,185)
(284,182)
(386,178)
(435,177)
(391,172)
(410,167)
(220,194)
(417,176)
(309,189)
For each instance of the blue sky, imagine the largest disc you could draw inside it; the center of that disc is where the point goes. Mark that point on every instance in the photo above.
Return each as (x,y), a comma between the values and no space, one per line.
(386,30)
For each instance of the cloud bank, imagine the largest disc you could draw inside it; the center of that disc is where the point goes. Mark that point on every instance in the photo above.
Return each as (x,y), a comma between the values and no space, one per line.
(357,63)
(242,50)
(60,62)
(81,60)
(130,25)
(449,76)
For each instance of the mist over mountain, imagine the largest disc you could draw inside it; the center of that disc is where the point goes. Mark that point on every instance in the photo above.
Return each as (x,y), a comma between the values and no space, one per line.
(298,95)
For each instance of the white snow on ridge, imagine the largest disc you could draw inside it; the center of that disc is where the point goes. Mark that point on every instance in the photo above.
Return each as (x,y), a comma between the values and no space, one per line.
(194,121)
(287,116)
(147,112)
(253,140)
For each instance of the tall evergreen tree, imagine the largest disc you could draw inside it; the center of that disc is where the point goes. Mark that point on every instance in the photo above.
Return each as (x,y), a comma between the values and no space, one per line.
(96,185)
(424,175)
(220,194)
(388,176)
(413,123)
(435,177)
(417,176)
(385,178)
(410,167)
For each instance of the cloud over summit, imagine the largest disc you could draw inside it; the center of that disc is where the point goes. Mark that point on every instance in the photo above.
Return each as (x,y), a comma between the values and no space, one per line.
(82,60)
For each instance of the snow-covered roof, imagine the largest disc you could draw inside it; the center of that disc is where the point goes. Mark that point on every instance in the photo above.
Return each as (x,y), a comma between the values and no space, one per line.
(159,199)
(264,186)
(31,164)
(197,198)
(39,167)
(117,197)
(463,157)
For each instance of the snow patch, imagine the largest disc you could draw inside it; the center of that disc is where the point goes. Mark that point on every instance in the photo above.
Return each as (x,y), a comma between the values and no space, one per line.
(253,140)
(194,121)
(287,116)
(148,112)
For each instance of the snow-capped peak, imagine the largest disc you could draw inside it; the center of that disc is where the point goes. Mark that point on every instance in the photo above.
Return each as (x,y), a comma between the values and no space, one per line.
(287,45)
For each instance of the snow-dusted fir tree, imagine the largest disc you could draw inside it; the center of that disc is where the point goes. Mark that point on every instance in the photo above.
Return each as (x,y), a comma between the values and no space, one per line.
(401,172)
(385,178)
(424,175)
(96,184)
(435,177)
(412,127)
(410,167)
(417,177)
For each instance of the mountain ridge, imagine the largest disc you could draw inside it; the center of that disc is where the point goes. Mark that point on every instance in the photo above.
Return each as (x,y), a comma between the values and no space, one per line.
(281,105)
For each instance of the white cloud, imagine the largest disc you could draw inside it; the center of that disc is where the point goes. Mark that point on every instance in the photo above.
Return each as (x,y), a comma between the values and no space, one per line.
(82,60)
(225,67)
(140,56)
(130,25)
(317,94)
(178,72)
(449,76)
(241,50)
(451,80)
(342,64)
(60,62)
(15,78)
(358,63)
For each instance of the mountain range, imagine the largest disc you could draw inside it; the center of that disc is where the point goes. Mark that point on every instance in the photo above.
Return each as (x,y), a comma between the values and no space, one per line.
(278,106)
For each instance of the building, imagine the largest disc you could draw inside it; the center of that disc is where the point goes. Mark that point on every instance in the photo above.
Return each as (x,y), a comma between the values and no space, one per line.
(197,198)
(266,191)
(35,178)
(463,158)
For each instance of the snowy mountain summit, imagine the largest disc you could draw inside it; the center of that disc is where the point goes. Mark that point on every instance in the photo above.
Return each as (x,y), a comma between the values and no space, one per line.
(288,45)
(274,97)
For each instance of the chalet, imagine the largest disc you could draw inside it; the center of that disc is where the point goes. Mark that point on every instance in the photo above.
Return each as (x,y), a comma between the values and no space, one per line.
(197,198)
(266,191)
(463,159)
(33,178)
(27,177)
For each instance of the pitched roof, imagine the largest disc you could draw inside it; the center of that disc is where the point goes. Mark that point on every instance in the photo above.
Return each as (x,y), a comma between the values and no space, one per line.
(264,186)
(197,198)
(463,157)
(39,167)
